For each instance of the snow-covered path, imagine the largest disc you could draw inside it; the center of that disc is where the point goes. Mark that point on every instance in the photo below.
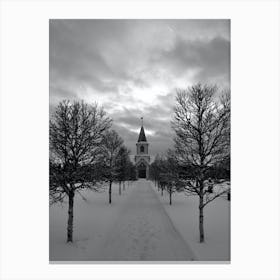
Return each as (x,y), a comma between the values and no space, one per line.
(142,232)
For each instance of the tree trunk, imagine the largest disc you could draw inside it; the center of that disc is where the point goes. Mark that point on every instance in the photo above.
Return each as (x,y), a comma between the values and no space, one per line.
(70,216)
(170,198)
(120,188)
(110,192)
(123,185)
(201,225)
(162,191)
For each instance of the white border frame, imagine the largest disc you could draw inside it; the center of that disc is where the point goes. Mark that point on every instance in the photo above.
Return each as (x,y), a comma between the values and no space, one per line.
(255,146)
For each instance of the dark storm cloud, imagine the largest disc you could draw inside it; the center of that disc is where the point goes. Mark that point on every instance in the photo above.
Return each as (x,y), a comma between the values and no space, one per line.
(210,58)
(133,68)
(76,54)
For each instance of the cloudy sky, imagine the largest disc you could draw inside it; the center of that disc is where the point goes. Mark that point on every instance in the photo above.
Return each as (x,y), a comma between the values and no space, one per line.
(133,68)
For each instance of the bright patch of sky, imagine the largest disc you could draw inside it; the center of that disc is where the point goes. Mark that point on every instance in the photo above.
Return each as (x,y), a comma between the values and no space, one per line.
(133,67)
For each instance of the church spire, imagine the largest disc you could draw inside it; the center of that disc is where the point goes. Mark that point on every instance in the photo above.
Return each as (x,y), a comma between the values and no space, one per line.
(142,136)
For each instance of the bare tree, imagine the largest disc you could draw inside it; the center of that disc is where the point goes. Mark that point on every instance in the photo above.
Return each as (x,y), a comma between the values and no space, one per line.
(164,170)
(123,167)
(76,131)
(202,126)
(168,183)
(155,171)
(110,150)
(173,184)
(158,172)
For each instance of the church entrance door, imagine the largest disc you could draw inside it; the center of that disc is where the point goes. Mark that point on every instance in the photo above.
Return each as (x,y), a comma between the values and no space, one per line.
(142,173)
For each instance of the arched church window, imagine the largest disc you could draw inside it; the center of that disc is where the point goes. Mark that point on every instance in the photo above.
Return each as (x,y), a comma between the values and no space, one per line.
(142,149)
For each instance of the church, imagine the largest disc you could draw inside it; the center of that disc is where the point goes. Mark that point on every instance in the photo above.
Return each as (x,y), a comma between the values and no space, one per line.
(142,158)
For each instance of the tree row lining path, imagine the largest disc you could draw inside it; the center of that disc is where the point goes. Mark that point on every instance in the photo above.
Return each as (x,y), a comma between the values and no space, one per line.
(143,231)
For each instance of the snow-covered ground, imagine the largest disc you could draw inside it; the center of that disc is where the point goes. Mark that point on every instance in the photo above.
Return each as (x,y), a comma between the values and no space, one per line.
(136,226)
(185,217)
(92,220)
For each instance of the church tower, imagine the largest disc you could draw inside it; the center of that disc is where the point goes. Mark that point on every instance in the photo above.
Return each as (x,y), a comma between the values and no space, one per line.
(142,158)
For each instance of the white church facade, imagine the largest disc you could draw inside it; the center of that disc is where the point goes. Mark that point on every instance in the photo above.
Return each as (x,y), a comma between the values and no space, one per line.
(142,158)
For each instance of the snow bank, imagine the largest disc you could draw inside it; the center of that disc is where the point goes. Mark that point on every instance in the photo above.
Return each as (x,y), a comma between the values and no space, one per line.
(93,219)
(184,215)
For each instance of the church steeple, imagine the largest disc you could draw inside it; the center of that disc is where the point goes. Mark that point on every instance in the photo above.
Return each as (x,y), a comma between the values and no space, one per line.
(142,136)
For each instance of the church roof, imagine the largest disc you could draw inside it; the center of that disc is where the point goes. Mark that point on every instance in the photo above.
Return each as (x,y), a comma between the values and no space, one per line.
(142,136)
